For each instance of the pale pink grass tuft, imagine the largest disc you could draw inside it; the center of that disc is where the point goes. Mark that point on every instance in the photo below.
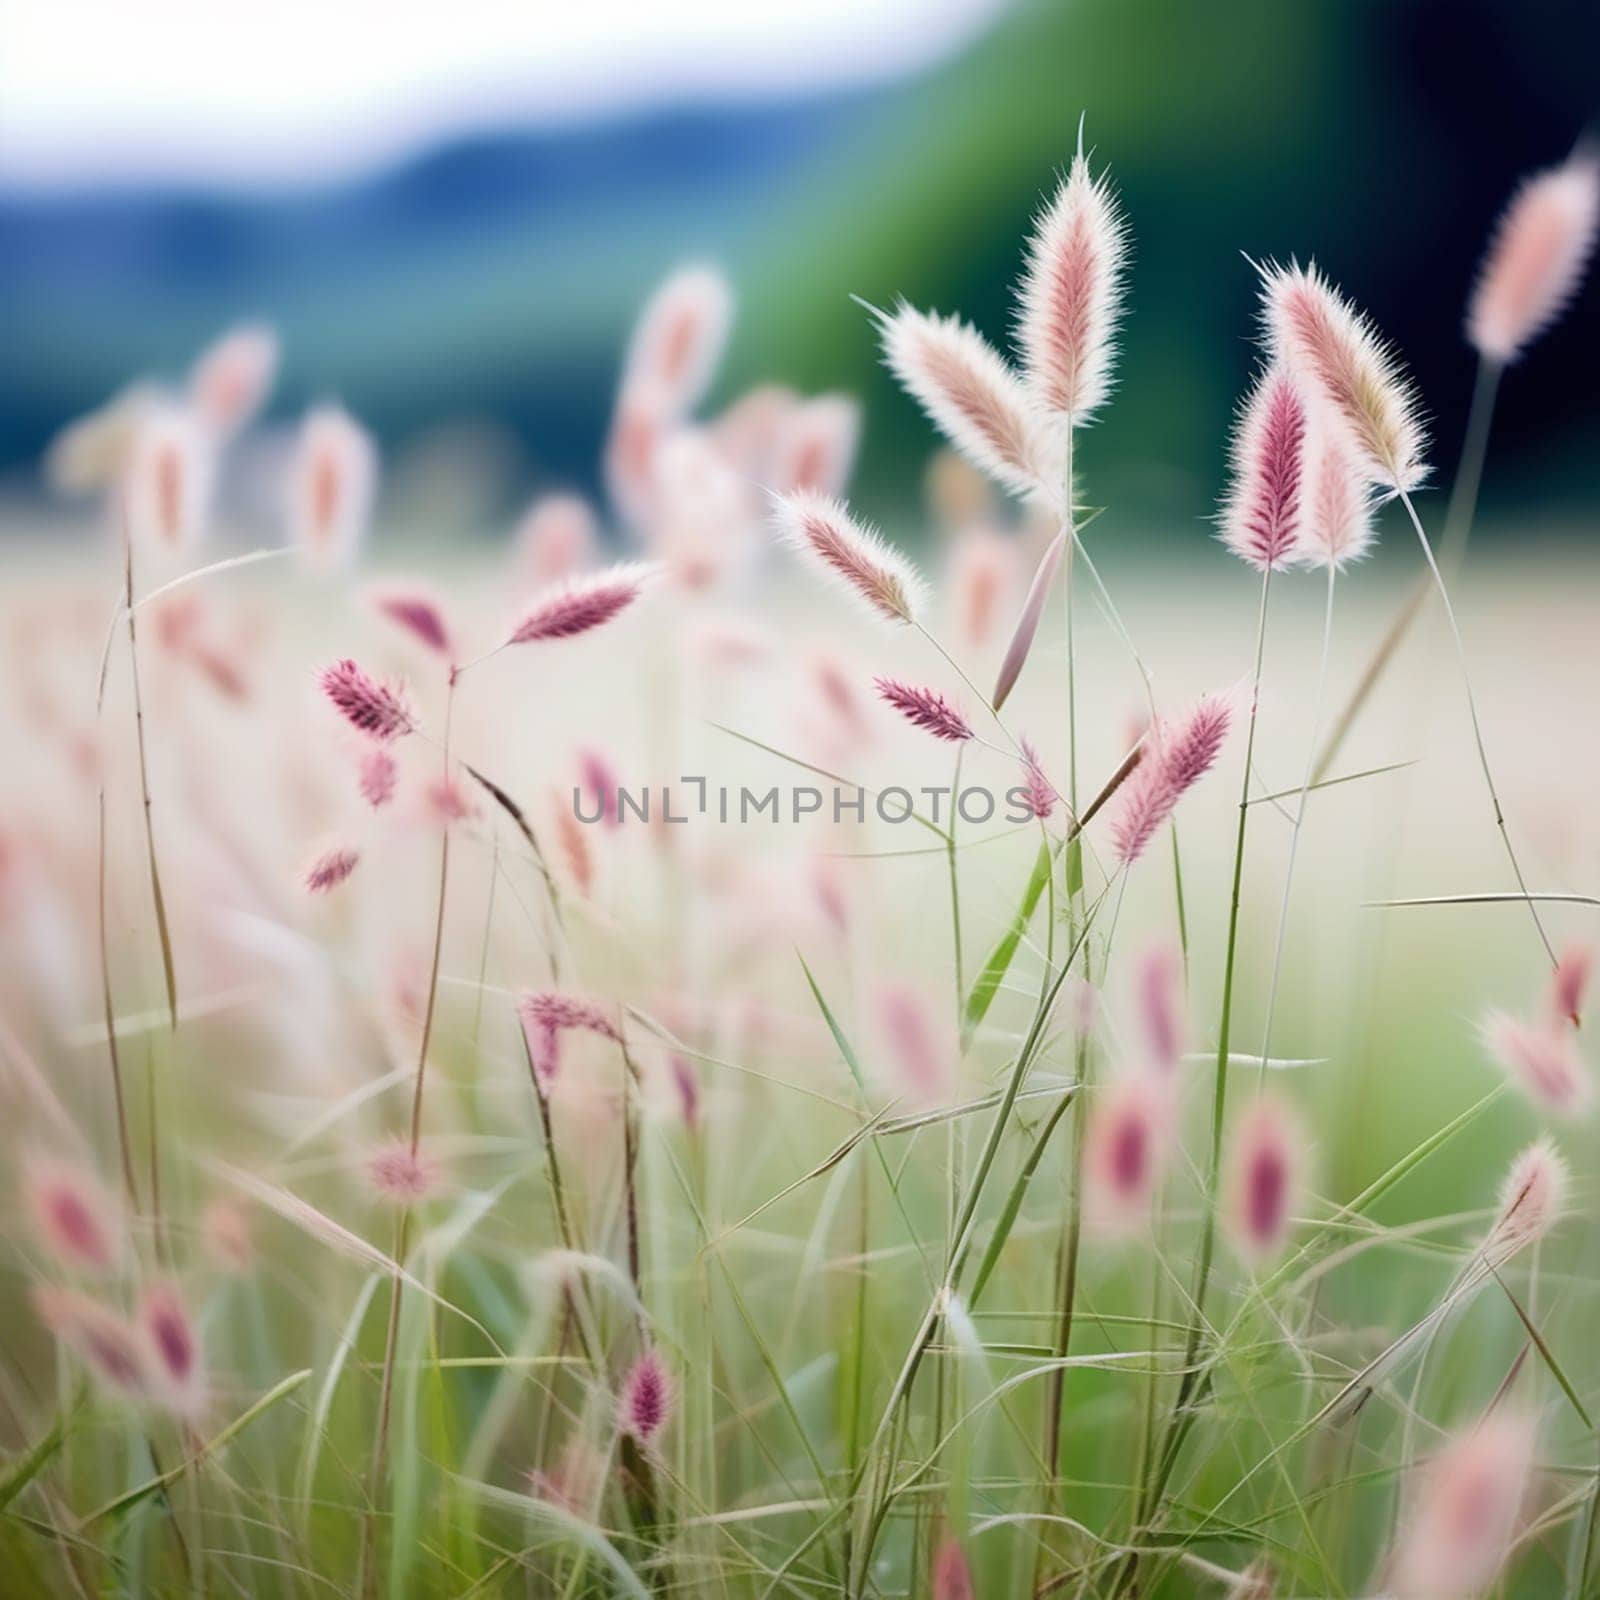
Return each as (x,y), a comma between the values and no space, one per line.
(1336,517)
(546,1009)
(225,1235)
(230,382)
(77,1221)
(973,397)
(1533,1198)
(1537,258)
(109,1346)
(379,773)
(579,605)
(1261,516)
(849,554)
(1353,380)
(678,341)
(1263,1180)
(332,482)
(1570,982)
(952,1576)
(169,479)
(1542,1059)
(1070,295)
(598,782)
(1158,982)
(330,869)
(1177,758)
(573,838)
(418,612)
(1038,793)
(923,1068)
(402,1175)
(174,1346)
(1459,1532)
(1125,1149)
(374,708)
(983,576)
(646,1400)
(925,709)
(816,446)
(556,538)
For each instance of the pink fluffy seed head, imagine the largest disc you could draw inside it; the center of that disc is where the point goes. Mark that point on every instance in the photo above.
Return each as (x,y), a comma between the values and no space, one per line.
(1542,1059)
(1261,517)
(1177,757)
(107,1344)
(1459,1531)
(983,576)
(599,785)
(848,554)
(546,1009)
(225,1233)
(447,801)
(923,1069)
(952,1576)
(333,481)
(1350,377)
(1159,990)
(556,538)
(816,446)
(1070,295)
(1336,521)
(230,382)
(1537,259)
(1532,1200)
(1125,1149)
(647,1398)
(330,869)
(400,1175)
(174,1345)
(1570,982)
(372,708)
(1039,794)
(580,605)
(1264,1168)
(686,1090)
(925,709)
(679,339)
(169,479)
(378,776)
(975,400)
(77,1221)
(418,613)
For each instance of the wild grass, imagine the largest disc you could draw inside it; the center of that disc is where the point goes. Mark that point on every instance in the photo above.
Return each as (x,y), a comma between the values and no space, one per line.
(808,1203)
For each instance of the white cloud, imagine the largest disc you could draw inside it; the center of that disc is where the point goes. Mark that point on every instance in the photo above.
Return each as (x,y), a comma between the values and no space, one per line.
(232,89)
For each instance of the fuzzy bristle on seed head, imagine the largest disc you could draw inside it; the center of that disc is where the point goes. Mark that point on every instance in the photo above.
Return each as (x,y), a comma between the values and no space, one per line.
(976,401)
(330,869)
(1336,503)
(108,1345)
(1457,1534)
(230,382)
(580,605)
(679,339)
(1537,258)
(848,554)
(1038,793)
(1179,755)
(77,1221)
(1542,1059)
(925,709)
(402,1175)
(1070,295)
(952,1576)
(1532,1199)
(332,482)
(1261,517)
(1350,377)
(418,612)
(373,708)
(646,1401)
(1263,1178)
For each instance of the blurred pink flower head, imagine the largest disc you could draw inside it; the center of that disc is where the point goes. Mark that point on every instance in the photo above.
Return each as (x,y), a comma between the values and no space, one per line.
(333,480)
(78,1223)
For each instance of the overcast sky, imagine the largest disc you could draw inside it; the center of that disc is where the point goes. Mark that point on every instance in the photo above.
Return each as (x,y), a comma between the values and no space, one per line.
(122,90)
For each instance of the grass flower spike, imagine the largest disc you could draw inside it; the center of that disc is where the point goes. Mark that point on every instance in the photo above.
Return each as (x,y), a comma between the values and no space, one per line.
(646,1402)
(1263,1180)
(1542,1059)
(1336,504)
(1532,1200)
(925,709)
(332,483)
(331,869)
(1070,295)
(1178,758)
(1352,379)
(1537,259)
(580,605)
(849,554)
(77,1221)
(371,707)
(1262,514)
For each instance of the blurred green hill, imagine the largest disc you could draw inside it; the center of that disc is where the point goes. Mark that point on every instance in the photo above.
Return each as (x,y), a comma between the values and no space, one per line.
(496,277)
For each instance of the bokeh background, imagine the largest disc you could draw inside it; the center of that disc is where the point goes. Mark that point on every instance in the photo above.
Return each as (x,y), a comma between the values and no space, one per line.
(451,214)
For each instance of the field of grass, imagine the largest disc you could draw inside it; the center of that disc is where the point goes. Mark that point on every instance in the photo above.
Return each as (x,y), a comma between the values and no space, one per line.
(412,1188)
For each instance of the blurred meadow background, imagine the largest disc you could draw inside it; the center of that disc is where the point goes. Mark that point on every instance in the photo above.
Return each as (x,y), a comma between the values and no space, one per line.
(681,1316)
